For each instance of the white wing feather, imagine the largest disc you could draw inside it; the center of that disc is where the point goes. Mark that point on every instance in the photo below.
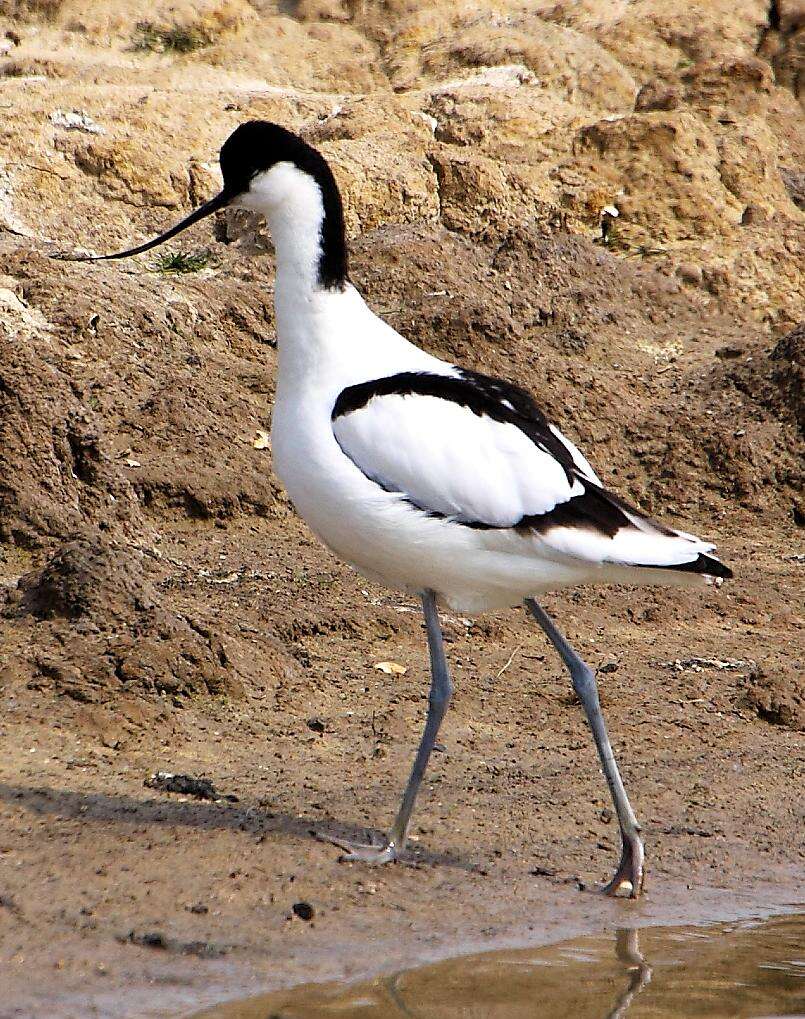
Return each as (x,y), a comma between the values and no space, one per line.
(445,458)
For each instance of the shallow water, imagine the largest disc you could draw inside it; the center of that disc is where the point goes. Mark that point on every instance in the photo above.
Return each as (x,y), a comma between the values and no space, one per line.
(745,970)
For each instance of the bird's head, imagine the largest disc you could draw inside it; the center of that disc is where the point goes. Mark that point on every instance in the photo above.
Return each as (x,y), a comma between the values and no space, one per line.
(271,170)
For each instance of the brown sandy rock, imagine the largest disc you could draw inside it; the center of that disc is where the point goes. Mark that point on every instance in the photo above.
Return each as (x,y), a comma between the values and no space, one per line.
(327,57)
(520,84)
(794,181)
(777,699)
(666,165)
(480,197)
(363,134)
(658,95)
(108,630)
(109,21)
(438,40)
(727,88)
(657,39)
(58,477)
(789,373)
(127,170)
(84,579)
(783,44)
(504,112)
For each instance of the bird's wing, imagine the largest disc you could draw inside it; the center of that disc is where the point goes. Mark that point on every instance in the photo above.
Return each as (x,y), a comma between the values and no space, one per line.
(479,451)
(457,448)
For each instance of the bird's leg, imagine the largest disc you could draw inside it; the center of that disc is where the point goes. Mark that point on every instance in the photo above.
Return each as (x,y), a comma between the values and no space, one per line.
(630,868)
(440,690)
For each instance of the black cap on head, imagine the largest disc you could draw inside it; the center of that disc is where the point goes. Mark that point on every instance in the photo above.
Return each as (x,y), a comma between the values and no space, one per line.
(253,148)
(258,145)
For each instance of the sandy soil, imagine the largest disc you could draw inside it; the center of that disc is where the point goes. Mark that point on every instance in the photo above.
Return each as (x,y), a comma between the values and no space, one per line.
(163,609)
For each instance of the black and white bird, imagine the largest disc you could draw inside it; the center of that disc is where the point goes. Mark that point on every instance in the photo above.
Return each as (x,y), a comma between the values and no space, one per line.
(424,476)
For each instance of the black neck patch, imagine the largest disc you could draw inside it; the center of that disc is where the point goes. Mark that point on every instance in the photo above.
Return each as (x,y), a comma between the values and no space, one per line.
(258,145)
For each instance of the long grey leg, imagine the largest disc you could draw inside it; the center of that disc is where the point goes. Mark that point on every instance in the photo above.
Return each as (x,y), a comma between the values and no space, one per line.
(441,689)
(630,869)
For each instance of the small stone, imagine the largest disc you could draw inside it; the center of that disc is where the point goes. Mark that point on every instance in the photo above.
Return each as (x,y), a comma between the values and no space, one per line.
(689,272)
(752,215)
(148,939)
(543,872)
(75,120)
(315,724)
(727,353)
(304,911)
(656,95)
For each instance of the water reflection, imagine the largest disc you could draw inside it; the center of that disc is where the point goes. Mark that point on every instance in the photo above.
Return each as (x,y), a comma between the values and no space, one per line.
(731,971)
(627,950)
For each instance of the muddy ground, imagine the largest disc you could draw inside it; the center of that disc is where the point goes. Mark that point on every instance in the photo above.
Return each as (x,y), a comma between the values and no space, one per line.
(162,609)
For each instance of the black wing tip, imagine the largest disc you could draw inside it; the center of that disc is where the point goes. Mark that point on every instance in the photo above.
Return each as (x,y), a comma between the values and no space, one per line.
(724,570)
(707,565)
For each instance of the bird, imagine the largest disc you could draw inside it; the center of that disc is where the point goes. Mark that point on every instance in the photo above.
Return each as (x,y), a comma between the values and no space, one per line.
(428,477)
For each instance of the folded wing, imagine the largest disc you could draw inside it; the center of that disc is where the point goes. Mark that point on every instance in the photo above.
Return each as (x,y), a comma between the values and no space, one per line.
(445,459)
(481,453)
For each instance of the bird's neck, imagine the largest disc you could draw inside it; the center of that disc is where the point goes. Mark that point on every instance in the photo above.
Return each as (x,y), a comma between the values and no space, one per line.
(307,228)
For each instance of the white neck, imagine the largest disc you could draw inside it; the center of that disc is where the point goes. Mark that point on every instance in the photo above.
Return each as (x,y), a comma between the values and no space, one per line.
(324,332)
(291,202)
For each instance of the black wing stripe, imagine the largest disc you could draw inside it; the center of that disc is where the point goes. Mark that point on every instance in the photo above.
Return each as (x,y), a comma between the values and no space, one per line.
(592,510)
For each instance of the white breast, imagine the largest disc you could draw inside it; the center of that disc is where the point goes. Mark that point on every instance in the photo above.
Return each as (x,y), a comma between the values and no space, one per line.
(337,342)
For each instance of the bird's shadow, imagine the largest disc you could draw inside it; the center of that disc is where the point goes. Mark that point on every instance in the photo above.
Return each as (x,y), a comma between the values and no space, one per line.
(252,820)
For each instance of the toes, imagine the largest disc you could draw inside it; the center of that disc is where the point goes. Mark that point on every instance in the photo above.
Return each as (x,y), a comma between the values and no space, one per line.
(354,851)
(369,854)
(629,875)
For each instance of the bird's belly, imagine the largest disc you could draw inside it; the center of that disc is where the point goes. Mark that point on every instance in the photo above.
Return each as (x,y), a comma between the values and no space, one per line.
(388,540)
(352,515)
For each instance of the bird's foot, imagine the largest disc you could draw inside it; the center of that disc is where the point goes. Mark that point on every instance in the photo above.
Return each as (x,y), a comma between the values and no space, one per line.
(354,852)
(631,870)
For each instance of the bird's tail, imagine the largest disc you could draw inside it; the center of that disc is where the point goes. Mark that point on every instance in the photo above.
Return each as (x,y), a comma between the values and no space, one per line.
(601,527)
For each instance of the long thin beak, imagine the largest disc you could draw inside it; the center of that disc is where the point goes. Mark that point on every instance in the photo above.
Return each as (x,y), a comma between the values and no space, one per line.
(220,200)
